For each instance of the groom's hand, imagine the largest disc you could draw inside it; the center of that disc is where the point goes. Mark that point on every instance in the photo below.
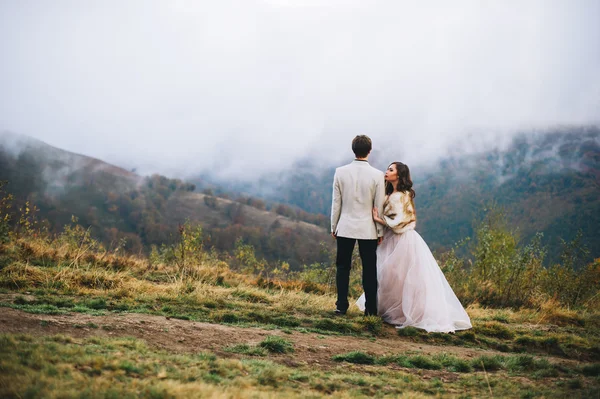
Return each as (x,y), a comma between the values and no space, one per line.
(333,235)
(379,240)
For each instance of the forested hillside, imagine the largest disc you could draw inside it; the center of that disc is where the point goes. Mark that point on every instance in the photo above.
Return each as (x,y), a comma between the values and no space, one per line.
(122,208)
(547,182)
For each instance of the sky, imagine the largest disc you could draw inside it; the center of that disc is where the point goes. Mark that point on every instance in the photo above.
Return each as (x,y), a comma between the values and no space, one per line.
(244,88)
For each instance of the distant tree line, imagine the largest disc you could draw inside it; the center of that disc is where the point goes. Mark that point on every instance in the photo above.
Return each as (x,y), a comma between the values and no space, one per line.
(138,216)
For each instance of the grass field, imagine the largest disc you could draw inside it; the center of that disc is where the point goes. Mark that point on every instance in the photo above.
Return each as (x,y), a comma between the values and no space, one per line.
(86,324)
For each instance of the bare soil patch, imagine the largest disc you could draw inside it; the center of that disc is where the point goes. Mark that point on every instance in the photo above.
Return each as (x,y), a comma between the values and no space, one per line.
(182,336)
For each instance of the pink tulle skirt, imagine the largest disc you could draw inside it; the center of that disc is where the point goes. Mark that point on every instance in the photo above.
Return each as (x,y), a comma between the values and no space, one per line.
(412,289)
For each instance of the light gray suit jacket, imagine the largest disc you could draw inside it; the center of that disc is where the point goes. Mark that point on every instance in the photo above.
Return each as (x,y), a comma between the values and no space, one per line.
(357,188)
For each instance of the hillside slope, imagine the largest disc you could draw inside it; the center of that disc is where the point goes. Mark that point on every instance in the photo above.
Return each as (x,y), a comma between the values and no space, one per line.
(118,204)
(547,181)
(95,324)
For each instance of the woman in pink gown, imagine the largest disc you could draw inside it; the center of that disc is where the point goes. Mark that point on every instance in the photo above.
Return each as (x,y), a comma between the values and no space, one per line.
(412,290)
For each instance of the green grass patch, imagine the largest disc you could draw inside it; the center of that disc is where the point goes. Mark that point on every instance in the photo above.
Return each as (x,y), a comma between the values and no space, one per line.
(425,362)
(591,370)
(453,363)
(336,325)
(251,296)
(525,363)
(400,360)
(502,317)
(493,329)
(180,316)
(487,363)
(245,349)
(275,344)
(517,364)
(56,366)
(35,309)
(373,324)
(410,332)
(355,357)
(569,342)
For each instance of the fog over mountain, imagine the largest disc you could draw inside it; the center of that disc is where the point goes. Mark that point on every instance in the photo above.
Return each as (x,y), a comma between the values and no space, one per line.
(243,88)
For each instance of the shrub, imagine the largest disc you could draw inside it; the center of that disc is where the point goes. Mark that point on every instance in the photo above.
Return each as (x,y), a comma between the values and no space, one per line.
(512,272)
(6,200)
(505,272)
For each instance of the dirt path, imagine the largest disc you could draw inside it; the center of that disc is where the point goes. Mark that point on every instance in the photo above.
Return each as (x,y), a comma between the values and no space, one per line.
(176,335)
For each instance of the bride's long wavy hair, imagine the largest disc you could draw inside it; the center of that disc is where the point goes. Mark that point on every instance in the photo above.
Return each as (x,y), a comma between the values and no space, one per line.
(404,182)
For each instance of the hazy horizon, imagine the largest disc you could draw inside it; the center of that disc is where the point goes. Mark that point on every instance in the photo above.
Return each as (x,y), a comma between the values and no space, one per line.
(183,87)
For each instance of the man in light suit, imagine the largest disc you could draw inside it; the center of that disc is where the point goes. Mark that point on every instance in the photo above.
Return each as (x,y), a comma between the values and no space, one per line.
(357,188)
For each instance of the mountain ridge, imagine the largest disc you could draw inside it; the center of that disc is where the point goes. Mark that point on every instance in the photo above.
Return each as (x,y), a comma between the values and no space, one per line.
(118,204)
(546,182)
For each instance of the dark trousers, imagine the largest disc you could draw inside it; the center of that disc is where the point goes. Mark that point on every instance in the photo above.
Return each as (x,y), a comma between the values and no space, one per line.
(368,255)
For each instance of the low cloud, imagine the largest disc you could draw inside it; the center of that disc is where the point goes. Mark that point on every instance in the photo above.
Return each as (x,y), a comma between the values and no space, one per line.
(242,88)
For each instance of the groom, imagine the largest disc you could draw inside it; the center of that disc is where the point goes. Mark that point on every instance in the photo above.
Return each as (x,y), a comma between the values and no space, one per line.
(357,188)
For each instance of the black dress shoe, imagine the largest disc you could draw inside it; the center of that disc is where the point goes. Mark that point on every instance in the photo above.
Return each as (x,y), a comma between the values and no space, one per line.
(339,312)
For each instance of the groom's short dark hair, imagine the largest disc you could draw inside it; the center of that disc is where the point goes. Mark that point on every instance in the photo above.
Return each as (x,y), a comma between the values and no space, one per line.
(361,145)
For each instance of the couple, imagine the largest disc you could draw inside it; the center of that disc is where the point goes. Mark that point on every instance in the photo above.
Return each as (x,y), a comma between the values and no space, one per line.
(402,281)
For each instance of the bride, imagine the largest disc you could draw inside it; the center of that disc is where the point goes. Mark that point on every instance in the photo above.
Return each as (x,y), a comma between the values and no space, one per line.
(412,290)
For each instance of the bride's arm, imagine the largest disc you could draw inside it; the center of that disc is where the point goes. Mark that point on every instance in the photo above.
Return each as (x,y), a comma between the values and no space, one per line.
(398,212)
(377,218)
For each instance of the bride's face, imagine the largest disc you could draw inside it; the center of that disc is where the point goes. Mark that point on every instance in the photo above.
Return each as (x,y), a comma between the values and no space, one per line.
(391,174)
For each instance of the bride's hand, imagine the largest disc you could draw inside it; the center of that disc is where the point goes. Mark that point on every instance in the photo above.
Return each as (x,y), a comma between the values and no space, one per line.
(375,213)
